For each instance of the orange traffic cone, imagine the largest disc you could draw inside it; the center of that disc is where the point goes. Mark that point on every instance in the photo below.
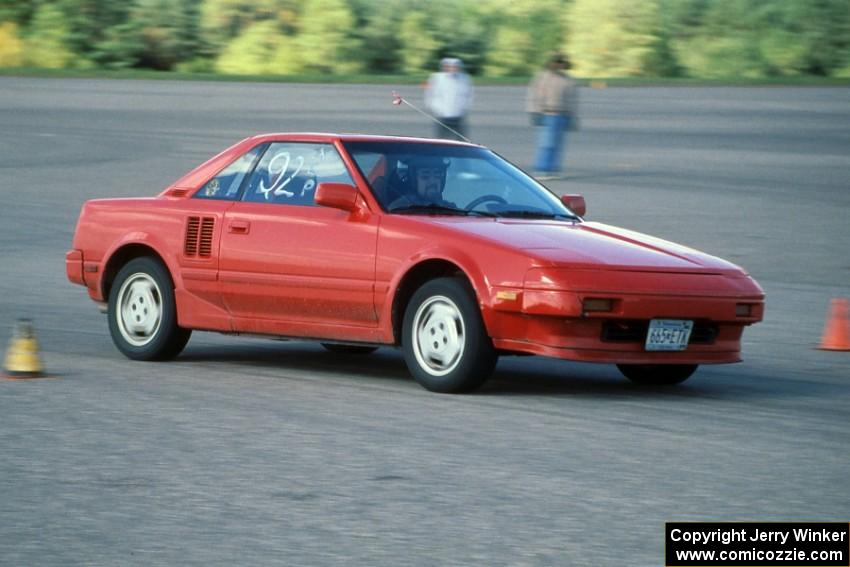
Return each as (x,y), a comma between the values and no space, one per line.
(836,333)
(22,359)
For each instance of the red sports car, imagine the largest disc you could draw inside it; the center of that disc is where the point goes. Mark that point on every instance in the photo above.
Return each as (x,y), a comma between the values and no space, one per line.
(441,248)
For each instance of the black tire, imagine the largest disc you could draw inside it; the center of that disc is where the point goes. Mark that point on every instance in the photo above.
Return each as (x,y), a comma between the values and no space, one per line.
(142,313)
(657,374)
(349,349)
(461,357)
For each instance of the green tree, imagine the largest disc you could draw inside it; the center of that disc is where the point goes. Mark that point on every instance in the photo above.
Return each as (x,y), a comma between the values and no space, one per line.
(418,45)
(805,36)
(168,31)
(324,37)
(510,53)
(721,39)
(706,38)
(260,49)
(100,32)
(462,29)
(11,45)
(47,39)
(615,37)
(251,36)
(759,38)
(17,11)
(223,20)
(526,31)
(376,28)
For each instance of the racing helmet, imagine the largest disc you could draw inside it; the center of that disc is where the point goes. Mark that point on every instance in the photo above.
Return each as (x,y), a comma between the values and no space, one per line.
(417,162)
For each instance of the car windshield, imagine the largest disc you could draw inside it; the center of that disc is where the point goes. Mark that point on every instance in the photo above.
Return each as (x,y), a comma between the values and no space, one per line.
(426,178)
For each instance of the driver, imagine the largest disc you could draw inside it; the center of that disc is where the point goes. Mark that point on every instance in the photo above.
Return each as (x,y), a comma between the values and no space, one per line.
(428,179)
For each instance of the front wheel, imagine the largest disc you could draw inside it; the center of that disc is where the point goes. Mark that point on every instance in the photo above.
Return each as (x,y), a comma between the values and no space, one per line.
(445,344)
(142,313)
(657,374)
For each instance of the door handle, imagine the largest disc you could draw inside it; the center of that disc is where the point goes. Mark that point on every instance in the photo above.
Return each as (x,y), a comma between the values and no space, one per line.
(238,226)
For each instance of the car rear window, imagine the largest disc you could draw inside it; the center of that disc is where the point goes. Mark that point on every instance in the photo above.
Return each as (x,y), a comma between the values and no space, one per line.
(226,185)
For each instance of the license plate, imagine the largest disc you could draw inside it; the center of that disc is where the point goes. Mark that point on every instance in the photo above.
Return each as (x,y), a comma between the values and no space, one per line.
(668,334)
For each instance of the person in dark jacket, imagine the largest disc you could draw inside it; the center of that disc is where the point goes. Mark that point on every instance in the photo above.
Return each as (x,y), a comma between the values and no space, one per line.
(552,102)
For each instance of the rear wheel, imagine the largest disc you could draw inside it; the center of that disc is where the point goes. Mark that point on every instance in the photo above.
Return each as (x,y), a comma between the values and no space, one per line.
(349,349)
(445,344)
(142,313)
(657,374)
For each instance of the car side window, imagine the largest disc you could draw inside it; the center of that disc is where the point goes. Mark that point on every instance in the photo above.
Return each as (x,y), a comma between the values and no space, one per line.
(225,186)
(289,172)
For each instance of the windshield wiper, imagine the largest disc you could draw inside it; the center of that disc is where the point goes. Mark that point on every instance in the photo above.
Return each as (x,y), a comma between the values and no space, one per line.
(525,214)
(438,209)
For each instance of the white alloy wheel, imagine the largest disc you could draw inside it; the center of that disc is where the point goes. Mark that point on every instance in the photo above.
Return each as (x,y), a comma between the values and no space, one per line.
(440,335)
(139,309)
(445,345)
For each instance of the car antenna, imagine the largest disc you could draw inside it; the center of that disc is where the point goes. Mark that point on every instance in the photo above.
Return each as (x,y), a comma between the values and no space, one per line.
(398,100)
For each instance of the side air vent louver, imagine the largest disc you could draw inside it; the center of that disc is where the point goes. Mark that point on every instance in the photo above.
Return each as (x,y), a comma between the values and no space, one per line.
(191,246)
(205,245)
(199,237)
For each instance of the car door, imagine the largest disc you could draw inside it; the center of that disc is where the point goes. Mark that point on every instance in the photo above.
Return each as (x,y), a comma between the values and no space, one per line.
(288,266)
(199,300)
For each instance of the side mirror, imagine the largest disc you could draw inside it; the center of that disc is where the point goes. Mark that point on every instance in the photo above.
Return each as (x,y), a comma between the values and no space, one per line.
(337,196)
(575,203)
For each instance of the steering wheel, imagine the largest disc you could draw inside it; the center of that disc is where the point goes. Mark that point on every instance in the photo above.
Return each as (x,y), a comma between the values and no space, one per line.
(483,199)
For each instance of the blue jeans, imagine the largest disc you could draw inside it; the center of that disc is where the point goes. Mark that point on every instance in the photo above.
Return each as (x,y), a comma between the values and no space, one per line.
(551,138)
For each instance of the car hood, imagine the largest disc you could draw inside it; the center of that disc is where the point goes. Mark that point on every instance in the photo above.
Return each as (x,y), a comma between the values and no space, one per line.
(591,245)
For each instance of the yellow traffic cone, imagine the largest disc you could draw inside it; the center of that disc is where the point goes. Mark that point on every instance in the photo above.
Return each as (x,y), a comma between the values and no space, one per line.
(22,359)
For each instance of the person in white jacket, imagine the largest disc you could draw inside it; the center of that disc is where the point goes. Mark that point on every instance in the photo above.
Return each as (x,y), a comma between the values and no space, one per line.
(448,95)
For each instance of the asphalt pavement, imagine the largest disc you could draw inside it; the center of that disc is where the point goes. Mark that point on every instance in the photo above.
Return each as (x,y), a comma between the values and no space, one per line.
(259,452)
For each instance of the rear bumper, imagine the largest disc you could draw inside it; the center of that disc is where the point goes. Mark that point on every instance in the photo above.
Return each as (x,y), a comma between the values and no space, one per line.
(74,266)
(83,272)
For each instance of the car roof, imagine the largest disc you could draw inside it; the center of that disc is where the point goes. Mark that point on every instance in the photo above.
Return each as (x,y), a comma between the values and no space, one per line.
(201,173)
(333,137)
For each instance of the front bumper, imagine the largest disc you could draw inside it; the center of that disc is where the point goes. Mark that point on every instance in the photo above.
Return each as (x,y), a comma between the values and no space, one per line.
(548,316)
